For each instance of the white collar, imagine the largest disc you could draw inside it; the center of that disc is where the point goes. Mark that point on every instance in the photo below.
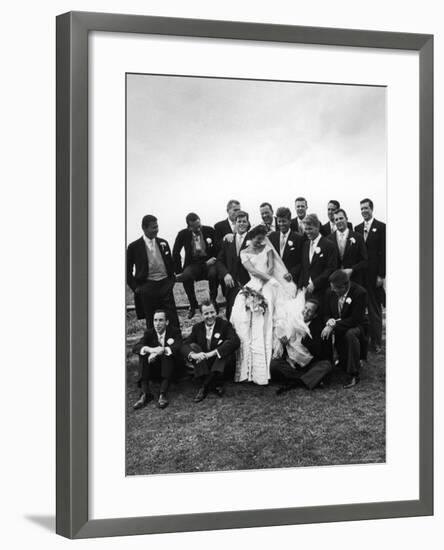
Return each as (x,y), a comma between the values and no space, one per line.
(149,241)
(343,234)
(369,223)
(316,241)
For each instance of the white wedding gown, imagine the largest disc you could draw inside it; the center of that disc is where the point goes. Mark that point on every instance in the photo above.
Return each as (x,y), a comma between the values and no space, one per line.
(259,332)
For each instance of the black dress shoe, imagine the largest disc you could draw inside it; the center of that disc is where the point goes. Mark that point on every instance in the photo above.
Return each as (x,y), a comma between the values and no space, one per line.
(219,390)
(191,312)
(200,395)
(143,400)
(163,401)
(286,388)
(353,382)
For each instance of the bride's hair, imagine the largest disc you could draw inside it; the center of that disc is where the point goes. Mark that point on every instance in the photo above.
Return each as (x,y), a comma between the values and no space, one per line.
(257,230)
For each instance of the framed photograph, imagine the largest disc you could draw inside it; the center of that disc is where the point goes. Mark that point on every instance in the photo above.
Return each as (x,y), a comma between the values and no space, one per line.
(244,275)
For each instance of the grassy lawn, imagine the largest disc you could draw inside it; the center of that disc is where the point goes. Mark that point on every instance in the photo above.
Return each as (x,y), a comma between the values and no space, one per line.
(251,427)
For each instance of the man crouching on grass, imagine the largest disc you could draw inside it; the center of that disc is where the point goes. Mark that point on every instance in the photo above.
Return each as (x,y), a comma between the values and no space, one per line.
(209,348)
(159,358)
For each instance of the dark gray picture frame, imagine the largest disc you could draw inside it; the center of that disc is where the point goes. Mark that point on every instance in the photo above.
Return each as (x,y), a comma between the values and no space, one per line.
(72,518)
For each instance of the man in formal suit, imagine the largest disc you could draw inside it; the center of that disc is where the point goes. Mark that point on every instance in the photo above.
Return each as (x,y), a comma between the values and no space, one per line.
(373,232)
(150,273)
(318,368)
(319,259)
(210,348)
(159,353)
(227,226)
(229,265)
(297,223)
(345,307)
(288,244)
(329,227)
(199,244)
(350,248)
(268,218)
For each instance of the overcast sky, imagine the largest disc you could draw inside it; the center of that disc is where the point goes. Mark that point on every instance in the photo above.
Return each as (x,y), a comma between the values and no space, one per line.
(195,143)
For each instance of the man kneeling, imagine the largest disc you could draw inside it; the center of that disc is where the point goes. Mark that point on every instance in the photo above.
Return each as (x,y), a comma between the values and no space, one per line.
(159,358)
(209,348)
(312,374)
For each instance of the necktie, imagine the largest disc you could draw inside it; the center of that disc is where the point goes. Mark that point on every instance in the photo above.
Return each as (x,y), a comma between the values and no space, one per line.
(365,231)
(312,247)
(341,245)
(341,304)
(282,246)
(238,243)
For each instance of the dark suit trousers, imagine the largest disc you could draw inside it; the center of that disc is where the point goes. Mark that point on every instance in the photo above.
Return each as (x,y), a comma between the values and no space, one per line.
(162,368)
(197,272)
(376,296)
(348,346)
(310,376)
(230,297)
(158,295)
(213,365)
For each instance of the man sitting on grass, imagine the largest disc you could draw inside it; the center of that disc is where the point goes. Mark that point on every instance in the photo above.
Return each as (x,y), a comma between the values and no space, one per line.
(209,348)
(159,358)
(313,373)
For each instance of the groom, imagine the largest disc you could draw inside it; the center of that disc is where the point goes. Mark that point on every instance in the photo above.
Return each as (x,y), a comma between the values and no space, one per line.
(288,244)
(319,259)
(229,265)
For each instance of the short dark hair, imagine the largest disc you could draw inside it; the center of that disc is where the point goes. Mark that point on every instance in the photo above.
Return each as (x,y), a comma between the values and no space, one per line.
(301,199)
(312,219)
(257,230)
(314,301)
(283,212)
(146,220)
(339,278)
(343,211)
(231,202)
(370,202)
(191,217)
(167,317)
(335,202)
(207,302)
(241,214)
(266,204)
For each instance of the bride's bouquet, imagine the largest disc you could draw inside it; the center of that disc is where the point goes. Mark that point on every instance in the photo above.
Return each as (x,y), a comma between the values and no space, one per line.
(254,300)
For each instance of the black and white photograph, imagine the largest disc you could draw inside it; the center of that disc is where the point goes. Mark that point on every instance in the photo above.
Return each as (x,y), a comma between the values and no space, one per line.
(256,219)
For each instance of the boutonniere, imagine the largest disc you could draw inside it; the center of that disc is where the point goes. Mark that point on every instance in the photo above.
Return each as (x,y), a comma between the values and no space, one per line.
(217,335)
(209,241)
(374,230)
(348,300)
(170,341)
(248,243)
(290,243)
(317,250)
(321,255)
(352,240)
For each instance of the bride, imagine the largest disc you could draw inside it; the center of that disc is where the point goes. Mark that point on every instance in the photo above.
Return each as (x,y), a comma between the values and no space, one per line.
(267,312)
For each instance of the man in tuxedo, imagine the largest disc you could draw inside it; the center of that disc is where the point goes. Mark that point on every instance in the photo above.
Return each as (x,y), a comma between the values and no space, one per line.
(268,218)
(350,248)
(150,273)
(311,375)
(287,243)
(159,358)
(319,259)
(210,348)
(373,232)
(229,266)
(199,244)
(345,306)
(297,224)
(329,227)
(227,226)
